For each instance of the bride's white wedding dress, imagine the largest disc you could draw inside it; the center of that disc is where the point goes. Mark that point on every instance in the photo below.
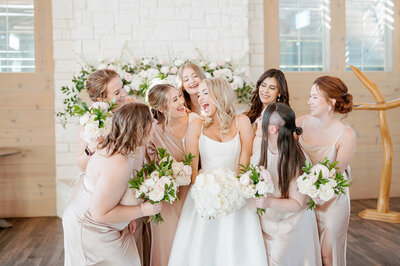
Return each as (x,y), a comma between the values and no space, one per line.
(233,240)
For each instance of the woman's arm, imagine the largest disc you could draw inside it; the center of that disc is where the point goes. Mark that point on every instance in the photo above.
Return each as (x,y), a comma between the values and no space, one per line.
(82,157)
(109,189)
(246,138)
(192,145)
(346,149)
(295,203)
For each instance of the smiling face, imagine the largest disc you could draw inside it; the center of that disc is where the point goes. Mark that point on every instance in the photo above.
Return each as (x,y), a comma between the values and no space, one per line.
(191,80)
(176,105)
(318,102)
(268,90)
(205,101)
(115,89)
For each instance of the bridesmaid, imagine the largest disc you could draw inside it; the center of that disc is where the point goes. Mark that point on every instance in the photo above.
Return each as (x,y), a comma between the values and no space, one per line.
(271,87)
(189,77)
(169,131)
(329,96)
(101,86)
(289,229)
(101,205)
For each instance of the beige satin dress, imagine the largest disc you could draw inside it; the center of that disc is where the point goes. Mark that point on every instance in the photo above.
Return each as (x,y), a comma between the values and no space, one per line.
(87,242)
(163,233)
(334,215)
(291,238)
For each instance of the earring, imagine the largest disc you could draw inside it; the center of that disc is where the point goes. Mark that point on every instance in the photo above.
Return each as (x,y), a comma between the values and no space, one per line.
(329,108)
(278,99)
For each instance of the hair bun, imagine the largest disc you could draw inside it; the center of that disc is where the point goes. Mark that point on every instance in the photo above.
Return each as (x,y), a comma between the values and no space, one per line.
(298,131)
(344,105)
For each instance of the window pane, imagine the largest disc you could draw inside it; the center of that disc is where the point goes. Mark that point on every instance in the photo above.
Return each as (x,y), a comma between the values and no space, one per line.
(304,30)
(369,28)
(17,46)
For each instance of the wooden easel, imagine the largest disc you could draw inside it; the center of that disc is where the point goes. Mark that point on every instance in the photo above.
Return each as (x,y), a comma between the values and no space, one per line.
(382,212)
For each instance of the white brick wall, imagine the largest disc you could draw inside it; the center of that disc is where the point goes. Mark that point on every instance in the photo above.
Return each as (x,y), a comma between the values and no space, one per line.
(97,29)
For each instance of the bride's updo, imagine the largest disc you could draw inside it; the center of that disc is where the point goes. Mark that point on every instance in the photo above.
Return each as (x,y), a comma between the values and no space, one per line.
(334,88)
(224,99)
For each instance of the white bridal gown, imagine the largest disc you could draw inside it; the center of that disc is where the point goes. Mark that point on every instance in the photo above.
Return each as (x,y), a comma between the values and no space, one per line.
(233,240)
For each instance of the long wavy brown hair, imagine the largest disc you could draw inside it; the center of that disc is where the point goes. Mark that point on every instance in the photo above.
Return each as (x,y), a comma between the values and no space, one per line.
(291,157)
(158,98)
(131,124)
(256,104)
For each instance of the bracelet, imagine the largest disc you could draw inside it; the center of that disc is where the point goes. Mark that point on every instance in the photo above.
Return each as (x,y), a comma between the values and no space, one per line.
(88,152)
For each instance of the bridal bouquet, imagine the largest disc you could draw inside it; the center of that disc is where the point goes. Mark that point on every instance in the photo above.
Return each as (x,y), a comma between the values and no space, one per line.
(95,120)
(321,181)
(217,193)
(159,180)
(255,181)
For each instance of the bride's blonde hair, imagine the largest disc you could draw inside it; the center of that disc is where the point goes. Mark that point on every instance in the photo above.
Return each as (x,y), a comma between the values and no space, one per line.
(224,99)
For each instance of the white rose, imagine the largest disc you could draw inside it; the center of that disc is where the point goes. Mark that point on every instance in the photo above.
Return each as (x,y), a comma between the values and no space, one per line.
(178,62)
(227,73)
(245,178)
(112,67)
(149,183)
(164,70)
(152,73)
(248,192)
(143,74)
(103,106)
(304,186)
(239,81)
(187,169)
(136,82)
(208,75)
(154,175)
(84,119)
(262,188)
(234,86)
(313,192)
(138,193)
(92,130)
(332,182)
(127,88)
(143,189)
(108,125)
(332,173)
(326,192)
(146,61)
(128,77)
(212,65)
(217,73)
(320,168)
(173,70)
(202,64)
(177,167)
(156,195)
(182,180)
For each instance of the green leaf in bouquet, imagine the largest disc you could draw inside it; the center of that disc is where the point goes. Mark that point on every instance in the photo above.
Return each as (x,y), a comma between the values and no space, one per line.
(188,158)
(311,205)
(85,106)
(260,212)
(243,169)
(162,153)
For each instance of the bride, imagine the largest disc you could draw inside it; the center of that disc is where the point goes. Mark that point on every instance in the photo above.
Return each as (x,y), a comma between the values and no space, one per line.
(223,140)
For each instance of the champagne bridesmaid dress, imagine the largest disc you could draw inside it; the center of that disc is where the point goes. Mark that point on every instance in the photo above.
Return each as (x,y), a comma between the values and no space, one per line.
(163,233)
(291,238)
(88,242)
(334,215)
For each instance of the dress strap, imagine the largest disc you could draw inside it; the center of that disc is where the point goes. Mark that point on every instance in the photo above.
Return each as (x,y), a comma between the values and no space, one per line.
(341,133)
(237,128)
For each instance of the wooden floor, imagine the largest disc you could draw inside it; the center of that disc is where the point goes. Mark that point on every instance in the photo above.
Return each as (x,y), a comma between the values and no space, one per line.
(39,241)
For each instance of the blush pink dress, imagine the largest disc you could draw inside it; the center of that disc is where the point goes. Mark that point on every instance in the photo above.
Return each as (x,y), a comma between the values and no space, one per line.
(333,216)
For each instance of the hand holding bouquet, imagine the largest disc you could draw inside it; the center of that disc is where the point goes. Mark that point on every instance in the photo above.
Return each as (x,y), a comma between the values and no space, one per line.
(96,120)
(321,181)
(255,181)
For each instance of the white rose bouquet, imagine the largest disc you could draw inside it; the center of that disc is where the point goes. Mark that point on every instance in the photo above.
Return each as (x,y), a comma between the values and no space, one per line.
(217,193)
(255,181)
(159,180)
(321,181)
(96,120)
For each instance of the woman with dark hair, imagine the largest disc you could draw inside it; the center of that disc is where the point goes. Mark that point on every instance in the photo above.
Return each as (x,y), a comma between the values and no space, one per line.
(289,229)
(271,87)
(101,206)
(326,135)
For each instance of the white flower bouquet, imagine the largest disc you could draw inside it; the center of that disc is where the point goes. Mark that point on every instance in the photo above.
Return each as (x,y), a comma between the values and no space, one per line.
(217,193)
(255,181)
(321,181)
(159,180)
(96,120)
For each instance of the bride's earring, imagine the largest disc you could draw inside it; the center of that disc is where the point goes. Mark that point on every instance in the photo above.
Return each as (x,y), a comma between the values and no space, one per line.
(329,108)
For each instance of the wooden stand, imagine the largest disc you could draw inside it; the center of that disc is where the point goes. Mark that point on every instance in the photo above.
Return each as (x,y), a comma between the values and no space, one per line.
(382,212)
